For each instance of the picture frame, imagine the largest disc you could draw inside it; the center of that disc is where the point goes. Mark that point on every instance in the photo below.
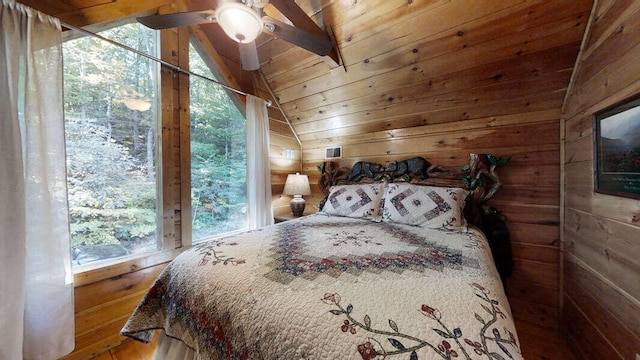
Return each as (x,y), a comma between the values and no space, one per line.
(617,149)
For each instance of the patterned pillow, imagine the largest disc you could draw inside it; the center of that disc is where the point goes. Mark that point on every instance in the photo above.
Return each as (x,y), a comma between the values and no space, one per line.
(357,201)
(426,206)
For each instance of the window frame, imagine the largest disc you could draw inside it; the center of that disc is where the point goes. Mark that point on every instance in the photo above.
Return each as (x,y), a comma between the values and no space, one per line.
(163,249)
(172,48)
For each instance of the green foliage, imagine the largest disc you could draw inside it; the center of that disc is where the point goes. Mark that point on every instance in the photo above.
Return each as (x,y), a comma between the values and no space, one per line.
(621,161)
(218,157)
(111,181)
(111,144)
(111,198)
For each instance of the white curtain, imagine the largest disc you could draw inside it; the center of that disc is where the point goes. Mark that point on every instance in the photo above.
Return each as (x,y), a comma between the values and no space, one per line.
(258,170)
(36,283)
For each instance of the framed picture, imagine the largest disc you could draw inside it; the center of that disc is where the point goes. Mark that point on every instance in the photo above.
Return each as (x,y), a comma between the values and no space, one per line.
(334,152)
(617,149)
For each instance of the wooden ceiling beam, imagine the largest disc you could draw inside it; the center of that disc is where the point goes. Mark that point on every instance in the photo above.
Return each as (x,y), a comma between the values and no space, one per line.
(302,21)
(97,13)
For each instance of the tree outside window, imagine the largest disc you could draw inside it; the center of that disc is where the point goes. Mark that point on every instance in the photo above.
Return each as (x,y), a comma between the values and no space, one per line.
(218,157)
(111,102)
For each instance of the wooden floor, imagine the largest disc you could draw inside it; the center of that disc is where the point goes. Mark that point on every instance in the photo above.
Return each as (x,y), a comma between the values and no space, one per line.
(542,344)
(536,344)
(130,350)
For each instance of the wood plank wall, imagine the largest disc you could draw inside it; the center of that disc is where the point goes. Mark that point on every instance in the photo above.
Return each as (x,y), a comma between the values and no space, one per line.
(601,313)
(103,303)
(529,199)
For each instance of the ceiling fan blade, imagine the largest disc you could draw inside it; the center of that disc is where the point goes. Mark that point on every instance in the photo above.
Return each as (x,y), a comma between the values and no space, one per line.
(187,18)
(298,37)
(249,56)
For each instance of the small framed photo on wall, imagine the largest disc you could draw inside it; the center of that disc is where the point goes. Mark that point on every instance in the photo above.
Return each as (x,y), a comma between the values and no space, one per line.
(617,149)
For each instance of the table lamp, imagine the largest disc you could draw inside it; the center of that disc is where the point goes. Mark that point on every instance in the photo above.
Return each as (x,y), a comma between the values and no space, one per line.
(297,185)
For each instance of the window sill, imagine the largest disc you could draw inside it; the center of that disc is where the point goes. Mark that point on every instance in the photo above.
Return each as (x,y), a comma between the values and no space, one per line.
(91,273)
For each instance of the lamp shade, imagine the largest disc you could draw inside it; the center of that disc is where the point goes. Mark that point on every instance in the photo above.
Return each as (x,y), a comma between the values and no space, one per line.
(297,184)
(239,22)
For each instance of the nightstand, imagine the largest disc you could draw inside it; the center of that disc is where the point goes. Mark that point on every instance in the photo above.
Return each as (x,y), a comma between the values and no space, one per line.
(284,217)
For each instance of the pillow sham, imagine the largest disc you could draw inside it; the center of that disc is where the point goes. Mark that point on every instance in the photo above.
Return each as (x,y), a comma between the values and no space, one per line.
(357,201)
(425,206)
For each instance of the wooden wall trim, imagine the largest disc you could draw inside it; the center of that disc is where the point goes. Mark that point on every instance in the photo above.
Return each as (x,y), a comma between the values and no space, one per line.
(581,54)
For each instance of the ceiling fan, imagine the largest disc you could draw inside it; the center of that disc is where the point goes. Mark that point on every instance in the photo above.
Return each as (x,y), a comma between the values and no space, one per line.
(243,21)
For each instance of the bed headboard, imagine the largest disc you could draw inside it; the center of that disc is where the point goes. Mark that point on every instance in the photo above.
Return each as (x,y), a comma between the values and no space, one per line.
(479,177)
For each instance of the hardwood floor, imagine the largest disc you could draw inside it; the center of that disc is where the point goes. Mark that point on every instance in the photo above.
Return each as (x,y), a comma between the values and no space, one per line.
(536,344)
(130,350)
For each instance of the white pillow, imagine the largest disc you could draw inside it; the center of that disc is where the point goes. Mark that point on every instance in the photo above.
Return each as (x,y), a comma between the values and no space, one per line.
(357,201)
(426,206)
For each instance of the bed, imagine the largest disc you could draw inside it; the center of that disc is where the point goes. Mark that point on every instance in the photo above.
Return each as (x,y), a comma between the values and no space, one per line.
(394,266)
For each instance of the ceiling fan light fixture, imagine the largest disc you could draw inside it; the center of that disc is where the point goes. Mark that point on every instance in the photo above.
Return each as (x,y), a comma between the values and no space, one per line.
(239,22)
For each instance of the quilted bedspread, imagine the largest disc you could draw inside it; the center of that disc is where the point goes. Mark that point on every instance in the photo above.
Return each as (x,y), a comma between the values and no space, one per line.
(322,287)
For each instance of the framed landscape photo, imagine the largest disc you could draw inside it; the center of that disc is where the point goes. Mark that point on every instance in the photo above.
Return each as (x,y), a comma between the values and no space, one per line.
(617,149)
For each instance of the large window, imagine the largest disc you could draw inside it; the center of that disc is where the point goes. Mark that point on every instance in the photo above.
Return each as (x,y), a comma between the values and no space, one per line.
(218,157)
(111,102)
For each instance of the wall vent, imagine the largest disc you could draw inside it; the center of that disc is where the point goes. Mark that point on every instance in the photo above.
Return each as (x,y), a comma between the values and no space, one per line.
(334,152)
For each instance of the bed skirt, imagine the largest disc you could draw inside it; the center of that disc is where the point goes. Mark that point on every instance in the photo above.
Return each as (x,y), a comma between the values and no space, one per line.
(172,349)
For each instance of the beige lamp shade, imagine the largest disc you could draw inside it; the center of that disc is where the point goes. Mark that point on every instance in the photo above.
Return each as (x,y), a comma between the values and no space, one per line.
(297,185)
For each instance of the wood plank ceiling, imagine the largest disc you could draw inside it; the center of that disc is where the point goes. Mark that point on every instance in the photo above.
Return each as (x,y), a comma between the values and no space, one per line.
(409,63)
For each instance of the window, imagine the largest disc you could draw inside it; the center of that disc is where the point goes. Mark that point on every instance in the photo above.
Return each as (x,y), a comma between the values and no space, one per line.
(111,105)
(218,157)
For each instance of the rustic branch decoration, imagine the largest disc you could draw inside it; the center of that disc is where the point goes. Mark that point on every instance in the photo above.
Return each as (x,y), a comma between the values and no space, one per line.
(329,176)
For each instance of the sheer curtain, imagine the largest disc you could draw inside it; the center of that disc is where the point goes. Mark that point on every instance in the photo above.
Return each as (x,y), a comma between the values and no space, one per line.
(36,285)
(258,171)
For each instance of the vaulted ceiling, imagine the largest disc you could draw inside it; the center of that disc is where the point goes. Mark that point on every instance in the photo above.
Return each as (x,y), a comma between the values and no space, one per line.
(404,63)
(407,63)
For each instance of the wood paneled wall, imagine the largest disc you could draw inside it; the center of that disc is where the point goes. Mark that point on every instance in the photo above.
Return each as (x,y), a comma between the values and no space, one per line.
(105,298)
(529,199)
(601,313)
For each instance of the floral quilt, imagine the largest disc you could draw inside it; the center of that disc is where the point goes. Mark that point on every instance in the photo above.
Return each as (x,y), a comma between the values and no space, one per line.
(326,287)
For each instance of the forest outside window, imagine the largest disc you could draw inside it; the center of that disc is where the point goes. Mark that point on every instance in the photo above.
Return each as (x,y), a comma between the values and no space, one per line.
(111,121)
(218,157)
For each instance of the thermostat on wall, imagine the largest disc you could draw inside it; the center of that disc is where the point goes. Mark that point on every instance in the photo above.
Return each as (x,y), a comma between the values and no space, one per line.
(334,152)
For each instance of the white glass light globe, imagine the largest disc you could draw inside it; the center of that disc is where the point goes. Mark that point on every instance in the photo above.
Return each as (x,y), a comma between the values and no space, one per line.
(238,21)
